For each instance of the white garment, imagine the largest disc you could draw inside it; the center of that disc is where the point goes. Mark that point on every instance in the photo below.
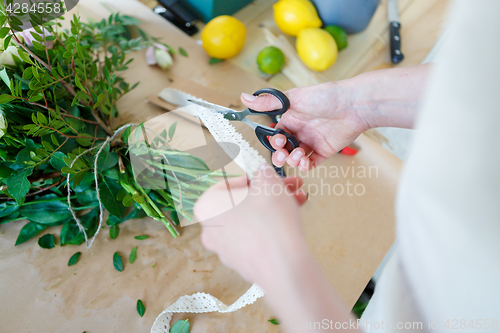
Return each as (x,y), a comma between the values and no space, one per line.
(447,266)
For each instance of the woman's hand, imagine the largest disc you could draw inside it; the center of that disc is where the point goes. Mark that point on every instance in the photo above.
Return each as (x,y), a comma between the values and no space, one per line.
(261,232)
(320,116)
(260,237)
(329,116)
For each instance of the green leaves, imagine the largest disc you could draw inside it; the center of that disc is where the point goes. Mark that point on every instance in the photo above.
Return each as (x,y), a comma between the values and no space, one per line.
(183,52)
(71,234)
(108,192)
(140,308)
(107,161)
(114,231)
(180,326)
(274,321)
(46,212)
(134,214)
(6,98)
(7,208)
(18,184)
(5,77)
(47,127)
(141,237)
(29,231)
(171,130)
(212,61)
(74,259)
(117,262)
(4,31)
(47,241)
(133,255)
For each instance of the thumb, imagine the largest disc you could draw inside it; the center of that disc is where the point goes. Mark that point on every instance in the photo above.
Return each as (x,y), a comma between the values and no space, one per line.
(261,103)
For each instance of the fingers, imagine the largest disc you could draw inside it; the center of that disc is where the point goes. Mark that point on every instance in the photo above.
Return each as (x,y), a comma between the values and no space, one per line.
(261,103)
(305,164)
(293,184)
(296,158)
(278,141)
(279,157)
(301,197)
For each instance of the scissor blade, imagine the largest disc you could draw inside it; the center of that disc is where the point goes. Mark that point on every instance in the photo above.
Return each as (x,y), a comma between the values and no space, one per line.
(211,106)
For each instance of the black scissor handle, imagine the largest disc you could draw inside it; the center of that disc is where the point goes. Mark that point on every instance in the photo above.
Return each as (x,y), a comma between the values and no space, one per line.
(285,102)
(263,133)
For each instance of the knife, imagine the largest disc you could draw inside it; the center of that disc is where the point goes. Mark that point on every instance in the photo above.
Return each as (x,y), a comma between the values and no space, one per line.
(393,15)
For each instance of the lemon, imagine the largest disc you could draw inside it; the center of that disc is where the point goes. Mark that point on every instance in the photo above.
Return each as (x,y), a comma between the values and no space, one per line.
(316,48)
(223,37)
(292,16)
(339,35)
(271,60)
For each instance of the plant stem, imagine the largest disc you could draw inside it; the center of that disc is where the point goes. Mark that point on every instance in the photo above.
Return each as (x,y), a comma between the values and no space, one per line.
(44,189)
(101,123)
(30,52)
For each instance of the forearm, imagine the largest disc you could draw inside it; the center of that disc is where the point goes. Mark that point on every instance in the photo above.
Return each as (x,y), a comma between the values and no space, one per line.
(388,97)
(302,297)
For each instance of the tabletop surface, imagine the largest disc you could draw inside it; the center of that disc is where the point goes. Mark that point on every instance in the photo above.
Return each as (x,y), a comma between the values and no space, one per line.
(421,25)
(348,234)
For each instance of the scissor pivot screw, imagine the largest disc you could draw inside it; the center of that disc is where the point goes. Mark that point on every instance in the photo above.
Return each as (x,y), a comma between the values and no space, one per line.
(233,116)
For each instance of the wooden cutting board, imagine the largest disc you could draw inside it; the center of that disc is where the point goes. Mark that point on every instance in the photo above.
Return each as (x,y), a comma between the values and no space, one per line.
(348,234)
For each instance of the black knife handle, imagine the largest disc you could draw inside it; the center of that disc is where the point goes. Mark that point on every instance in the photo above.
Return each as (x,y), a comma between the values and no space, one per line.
(396,54)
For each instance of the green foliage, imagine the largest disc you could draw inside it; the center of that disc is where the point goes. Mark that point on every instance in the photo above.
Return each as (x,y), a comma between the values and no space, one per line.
(18,184)
(180,326)
(133,255)
(74,259)
(71,233)
(114,231)
(183,52)
(29,231)
(141,309)
(117,262)
(47,241)
(274,321)
(56,105)
(212,61)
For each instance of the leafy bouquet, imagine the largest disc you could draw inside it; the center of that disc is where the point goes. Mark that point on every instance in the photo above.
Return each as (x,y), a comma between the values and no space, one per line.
(61,163)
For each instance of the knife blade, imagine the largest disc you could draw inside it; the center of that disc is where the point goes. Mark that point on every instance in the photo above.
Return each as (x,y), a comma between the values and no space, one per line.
(394,27)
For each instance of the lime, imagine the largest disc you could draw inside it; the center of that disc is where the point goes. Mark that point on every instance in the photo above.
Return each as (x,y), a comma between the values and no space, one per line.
(339,35)
(271,60)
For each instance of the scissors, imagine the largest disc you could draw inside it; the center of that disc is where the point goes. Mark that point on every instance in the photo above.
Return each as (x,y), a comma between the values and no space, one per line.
(263,132)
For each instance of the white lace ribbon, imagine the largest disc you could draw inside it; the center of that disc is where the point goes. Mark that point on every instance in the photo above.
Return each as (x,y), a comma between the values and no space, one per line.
(202,303)
(249,160)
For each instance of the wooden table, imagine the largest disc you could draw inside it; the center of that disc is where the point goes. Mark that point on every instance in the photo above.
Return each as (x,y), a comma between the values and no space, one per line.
(421,26)
(348,234)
